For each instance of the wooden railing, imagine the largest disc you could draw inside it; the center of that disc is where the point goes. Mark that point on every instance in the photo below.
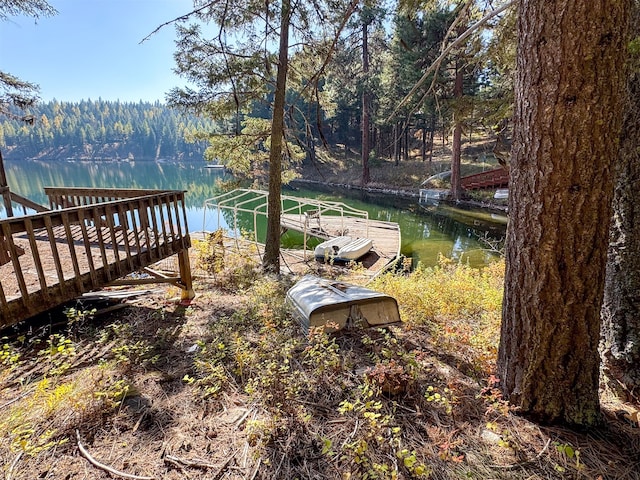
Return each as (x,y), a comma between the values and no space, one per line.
(65,197)
(90,238)
(496,178)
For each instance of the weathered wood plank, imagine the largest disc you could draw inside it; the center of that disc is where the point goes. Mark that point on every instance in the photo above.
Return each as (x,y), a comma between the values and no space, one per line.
(103,241)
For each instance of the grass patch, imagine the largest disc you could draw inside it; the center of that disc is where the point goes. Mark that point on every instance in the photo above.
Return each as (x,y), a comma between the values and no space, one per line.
(459,306)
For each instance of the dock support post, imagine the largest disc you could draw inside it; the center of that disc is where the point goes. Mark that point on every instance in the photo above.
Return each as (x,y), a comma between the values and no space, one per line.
(185,275)
(4,189)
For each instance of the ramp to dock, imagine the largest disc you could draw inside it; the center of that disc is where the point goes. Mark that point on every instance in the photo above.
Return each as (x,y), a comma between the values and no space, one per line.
(313,218)
(88,238)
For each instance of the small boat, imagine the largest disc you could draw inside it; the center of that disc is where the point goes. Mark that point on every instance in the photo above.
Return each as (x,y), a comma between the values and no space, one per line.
(328,248)
(318,302)
(501,193)
(343,248)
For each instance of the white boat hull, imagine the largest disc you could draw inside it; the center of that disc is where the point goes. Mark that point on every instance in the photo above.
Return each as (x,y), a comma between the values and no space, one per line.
(345,249)
(318,302)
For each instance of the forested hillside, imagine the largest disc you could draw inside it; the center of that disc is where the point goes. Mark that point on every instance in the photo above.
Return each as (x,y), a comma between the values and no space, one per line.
(102,130)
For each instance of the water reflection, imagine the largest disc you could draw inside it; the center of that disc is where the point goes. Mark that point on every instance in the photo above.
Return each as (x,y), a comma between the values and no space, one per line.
(29,177)
(426,231)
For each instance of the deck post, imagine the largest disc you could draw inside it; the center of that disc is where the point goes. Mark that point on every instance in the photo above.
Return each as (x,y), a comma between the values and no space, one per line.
(4,188)
(185,275)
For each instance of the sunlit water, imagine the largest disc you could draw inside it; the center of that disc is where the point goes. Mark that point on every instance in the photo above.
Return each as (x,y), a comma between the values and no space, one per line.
(426,232)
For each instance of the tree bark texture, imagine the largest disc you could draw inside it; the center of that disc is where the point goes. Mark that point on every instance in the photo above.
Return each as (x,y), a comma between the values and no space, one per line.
(620,342)
(456,147)
(366,176)
(569,92)
(271,260)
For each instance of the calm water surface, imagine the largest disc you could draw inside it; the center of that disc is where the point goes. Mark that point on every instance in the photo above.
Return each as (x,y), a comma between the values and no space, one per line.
(426,232)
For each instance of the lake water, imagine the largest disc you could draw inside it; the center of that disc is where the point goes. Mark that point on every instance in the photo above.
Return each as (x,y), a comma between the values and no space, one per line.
(426,232)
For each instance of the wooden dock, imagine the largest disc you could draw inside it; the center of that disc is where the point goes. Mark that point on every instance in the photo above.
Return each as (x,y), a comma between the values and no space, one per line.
(385,235)
(87,239)
(317,218)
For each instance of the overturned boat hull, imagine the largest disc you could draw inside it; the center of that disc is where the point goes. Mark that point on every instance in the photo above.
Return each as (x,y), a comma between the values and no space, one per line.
(318,302)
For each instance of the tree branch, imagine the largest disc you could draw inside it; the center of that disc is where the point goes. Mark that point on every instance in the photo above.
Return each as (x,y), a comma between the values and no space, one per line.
(181,18)
(104,467)
(436,63)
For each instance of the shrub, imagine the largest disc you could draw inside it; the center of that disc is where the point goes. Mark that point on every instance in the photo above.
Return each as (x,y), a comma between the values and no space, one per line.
(459,305)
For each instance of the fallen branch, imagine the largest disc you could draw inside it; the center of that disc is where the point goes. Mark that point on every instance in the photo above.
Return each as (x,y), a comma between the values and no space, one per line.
(13,466)
(243,418)
(19,397)
(189,463)
(104,467)
(201,464)
(255,472)
(176,465)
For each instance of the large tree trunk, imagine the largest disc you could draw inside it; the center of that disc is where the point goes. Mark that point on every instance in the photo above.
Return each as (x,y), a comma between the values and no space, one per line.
(456,147)
(271,259)
(366,177)
(620,344)
(569,89)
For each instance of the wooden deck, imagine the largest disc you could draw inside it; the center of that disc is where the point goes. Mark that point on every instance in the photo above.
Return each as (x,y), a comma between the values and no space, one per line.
(89,238)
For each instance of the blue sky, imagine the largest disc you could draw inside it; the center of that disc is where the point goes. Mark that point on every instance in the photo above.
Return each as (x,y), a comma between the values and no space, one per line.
(91,49)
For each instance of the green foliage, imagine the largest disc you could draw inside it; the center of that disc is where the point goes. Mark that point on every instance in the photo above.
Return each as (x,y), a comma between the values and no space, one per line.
(569,458)
(379,433)
(75,316)
(41,420)
(58,352)
(210,252)
(138,354)
(9,355)
(231,269)
(247,152)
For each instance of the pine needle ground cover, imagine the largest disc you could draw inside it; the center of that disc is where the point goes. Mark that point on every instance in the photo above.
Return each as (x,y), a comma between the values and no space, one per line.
(229,387)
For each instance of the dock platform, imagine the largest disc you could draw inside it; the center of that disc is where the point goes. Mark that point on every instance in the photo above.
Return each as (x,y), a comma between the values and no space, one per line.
(316,218)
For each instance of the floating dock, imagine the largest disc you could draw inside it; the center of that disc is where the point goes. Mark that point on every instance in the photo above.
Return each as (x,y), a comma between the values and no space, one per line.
(313,218)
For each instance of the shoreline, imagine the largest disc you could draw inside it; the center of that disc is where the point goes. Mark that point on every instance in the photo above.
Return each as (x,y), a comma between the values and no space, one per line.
(404,193)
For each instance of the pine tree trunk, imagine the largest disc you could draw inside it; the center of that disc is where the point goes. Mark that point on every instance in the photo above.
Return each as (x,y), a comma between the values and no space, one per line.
(456,147)
(365,108)
(569,89)
(271,259)
(431,135)
(406,141)
(620,343)
(396,144)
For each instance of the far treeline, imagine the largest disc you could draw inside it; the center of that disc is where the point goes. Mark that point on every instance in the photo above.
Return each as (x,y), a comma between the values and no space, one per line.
(98,130)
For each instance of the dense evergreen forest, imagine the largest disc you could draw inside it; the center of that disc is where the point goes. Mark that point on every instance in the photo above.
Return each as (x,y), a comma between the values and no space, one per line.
(471,90)
(102,129)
